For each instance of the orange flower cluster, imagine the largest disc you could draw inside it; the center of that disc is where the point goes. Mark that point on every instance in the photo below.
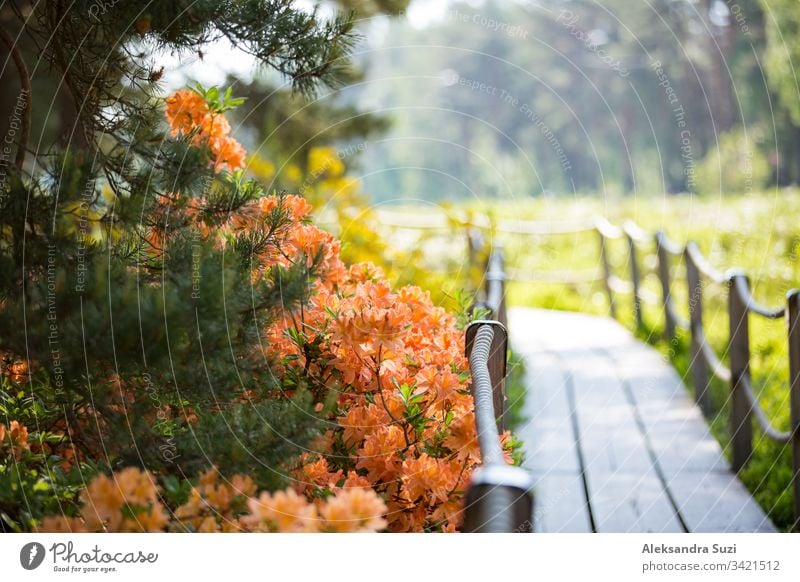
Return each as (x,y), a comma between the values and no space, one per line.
(296,241)
(128,501)
(405,420)
(15,438)
(348,510)
(188,114)
(214,506)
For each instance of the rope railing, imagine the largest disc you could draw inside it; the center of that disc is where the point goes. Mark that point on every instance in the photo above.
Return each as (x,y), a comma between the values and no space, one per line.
(542,228)
(745,408)
(742,287)
(500,496)
(703,265)
(711,359)
(555,277)
(668,245)
(607,230)
(632,230)
(664,249)
(779,436)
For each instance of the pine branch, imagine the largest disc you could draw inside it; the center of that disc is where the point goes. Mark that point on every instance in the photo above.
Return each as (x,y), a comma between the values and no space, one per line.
(25,82)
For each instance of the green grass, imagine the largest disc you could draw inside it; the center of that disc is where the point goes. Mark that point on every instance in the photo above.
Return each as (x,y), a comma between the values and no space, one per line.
(760,234)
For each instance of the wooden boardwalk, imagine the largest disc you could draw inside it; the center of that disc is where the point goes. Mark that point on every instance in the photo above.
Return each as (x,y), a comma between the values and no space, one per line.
(613,440)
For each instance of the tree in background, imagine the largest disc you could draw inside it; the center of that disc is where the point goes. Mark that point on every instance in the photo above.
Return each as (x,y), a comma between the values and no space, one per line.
(783,51)
(577,96)
(782,21)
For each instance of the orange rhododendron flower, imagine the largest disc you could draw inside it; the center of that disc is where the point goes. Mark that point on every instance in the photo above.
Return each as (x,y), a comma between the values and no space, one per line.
(354,510)
(188,113)
(379,455)
(283,511)
(125,502)
(108,501)
(15,436)
(185,111)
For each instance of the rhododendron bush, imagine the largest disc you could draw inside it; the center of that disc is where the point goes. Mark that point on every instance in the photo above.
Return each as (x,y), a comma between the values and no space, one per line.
(370,380)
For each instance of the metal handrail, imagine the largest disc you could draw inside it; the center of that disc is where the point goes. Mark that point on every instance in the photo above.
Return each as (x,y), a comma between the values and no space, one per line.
(483,393)
(495,286)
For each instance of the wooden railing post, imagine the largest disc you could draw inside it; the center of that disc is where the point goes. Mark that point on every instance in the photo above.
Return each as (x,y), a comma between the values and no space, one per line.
(793,314)
(635,281)
(663,277)
(739,348)
(697,361)
(606,273)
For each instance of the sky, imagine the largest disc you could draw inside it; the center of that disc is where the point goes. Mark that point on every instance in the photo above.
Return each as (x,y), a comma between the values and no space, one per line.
(422,12)
(222,57)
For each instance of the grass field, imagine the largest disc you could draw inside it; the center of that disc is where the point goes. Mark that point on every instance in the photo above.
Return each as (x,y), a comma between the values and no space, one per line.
(760,234)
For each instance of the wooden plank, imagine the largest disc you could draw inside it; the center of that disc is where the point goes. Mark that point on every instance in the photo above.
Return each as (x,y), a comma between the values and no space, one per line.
(560,504)
(678,435)
(709,496)
(549,440)
(718,502)
(645,446)
(625,491)
(547,434)
(630,502)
